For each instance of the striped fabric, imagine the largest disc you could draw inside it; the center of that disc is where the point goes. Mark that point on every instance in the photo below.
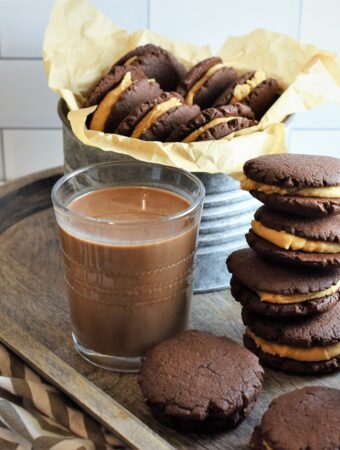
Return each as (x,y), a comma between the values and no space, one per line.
(36,416)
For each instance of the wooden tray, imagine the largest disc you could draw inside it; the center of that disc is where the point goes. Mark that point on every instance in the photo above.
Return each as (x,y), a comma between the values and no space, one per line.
(35,325)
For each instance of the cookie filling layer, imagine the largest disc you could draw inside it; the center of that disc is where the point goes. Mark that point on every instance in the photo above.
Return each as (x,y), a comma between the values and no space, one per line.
(130,60)
(243,90)
(248,184)
(194,135)
(105,106)
(189,98)
(306,354)
(288,241)
(297,298)
(153,115)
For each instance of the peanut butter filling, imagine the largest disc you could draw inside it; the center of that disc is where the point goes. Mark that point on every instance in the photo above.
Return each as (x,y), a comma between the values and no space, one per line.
(130,60)
(288,241)
(105,106)
(307,354)
(194,135)
(152,116)
(296,298)
(323,192)
(266,445)
(243,90)
(189,98)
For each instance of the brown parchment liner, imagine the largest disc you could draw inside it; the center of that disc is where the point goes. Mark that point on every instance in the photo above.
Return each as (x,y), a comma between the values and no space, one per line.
(81,45)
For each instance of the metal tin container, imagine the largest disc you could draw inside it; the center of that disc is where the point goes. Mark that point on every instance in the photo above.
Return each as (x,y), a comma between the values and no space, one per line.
(225,219)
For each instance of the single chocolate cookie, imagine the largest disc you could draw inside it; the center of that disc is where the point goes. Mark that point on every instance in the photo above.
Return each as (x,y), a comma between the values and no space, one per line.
(155,119)
(305,185)
(300,345)
(292,170)
(253,89)
(197,381)
(156,63)
(214,123)
(305,418)
(281,290)
(206,81)
(301,240)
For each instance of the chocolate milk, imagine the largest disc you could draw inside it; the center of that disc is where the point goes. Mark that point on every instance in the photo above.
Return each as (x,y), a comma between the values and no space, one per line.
(133,289)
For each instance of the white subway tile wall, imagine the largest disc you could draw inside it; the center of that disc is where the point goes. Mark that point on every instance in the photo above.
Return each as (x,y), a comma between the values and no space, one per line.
(27,151)
(203,22)
(26,100)
(315,141)
(30,136)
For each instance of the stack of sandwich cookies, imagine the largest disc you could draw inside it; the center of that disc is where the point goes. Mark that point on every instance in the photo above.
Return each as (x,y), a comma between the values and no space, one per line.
(289,281)
(280,290)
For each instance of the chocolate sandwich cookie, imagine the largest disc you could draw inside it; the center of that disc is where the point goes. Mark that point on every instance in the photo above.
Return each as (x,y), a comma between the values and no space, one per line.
(306,345)
(116,94)
(157,63)
(293,239)
(197,381)
(155,119)
(305,418)
(206,81)
(254,89)
(214,123)
(110,81)
(281,290)
(305,185)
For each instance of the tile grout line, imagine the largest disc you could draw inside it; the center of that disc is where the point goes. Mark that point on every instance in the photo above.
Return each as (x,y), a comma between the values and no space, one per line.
(2,146)
(315,129)
(33,128)
(20,58)
(300,16)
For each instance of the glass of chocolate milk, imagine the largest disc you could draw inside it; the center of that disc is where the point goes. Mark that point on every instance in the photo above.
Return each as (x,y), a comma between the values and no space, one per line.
(128,234)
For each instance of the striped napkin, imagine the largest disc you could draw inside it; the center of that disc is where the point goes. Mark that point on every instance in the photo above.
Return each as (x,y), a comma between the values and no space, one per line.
(36,416)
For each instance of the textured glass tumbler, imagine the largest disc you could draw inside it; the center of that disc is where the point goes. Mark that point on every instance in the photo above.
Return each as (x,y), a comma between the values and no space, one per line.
(129,281)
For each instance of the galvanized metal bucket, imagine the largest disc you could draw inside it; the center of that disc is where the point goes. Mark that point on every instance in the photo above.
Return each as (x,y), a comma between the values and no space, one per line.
(226,215)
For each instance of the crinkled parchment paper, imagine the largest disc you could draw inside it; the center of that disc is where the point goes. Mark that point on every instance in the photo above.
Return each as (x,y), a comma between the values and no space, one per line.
(81,45)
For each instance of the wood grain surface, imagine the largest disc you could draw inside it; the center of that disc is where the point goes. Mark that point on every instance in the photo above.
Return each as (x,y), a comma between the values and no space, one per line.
(35,324)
